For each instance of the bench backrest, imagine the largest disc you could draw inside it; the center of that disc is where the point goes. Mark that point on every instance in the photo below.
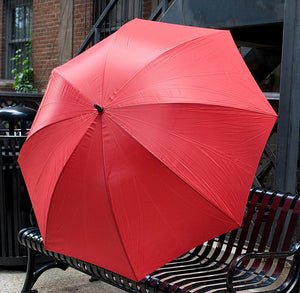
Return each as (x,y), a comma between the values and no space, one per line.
(269,224)
(270,221)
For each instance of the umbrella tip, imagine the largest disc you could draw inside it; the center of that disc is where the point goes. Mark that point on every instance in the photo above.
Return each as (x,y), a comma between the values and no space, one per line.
(99,108)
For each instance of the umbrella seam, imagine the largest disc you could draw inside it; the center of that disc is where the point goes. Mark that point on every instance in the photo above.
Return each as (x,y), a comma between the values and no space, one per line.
(60,175)
(104,66)
(55,122)
(45,95)
(216,34)
(112,210)
(193,103)
(54,71)
(73,86)
(57,182)
(182,179)
(208,147)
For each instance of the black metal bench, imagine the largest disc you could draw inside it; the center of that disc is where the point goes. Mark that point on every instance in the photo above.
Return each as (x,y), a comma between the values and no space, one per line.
(259,256)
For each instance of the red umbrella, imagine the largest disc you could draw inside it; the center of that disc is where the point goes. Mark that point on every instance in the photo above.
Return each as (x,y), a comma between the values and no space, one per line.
(145,146)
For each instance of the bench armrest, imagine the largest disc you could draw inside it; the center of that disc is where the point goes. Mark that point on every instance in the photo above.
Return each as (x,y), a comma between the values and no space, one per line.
(237,261)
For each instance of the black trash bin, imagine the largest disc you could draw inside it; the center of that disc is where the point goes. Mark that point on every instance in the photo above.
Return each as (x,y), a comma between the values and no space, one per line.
(13,115)
(14,200)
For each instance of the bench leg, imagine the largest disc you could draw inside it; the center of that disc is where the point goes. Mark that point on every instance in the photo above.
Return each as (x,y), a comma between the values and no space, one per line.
(94,279)
(32,275)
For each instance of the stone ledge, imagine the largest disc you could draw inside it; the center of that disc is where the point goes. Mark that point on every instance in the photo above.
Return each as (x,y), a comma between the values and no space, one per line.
(6,85)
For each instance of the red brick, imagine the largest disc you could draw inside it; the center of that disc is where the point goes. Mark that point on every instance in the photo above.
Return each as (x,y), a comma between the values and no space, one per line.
(2,39)
(45,34)
(45,22)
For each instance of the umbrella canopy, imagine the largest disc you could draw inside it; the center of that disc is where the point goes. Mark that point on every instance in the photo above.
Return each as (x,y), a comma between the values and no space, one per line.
(145,146)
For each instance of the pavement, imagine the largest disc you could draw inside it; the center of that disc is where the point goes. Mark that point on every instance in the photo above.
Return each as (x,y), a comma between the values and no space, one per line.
(53,281)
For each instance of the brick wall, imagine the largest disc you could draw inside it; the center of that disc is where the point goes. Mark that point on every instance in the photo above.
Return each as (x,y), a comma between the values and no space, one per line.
(83,21)
(44,40)
(46,27)
(2,39)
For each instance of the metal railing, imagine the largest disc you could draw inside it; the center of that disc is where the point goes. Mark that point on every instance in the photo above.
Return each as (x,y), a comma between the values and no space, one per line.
(117,13)
(14,202)
(31,100)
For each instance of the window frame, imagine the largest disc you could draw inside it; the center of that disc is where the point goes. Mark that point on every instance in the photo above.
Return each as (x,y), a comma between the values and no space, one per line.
(16,42)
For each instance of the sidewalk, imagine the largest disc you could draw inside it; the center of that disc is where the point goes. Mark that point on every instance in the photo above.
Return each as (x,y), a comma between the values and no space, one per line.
(54,281)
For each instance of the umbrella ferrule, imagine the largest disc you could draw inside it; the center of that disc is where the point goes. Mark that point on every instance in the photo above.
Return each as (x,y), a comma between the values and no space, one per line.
(99,108)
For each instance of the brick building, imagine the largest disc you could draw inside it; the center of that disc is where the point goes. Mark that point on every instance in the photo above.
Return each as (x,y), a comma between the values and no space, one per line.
(57,28)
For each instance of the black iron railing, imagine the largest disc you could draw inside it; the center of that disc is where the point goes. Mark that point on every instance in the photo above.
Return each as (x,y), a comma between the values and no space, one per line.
(31,100)
(14,202)
(118,12)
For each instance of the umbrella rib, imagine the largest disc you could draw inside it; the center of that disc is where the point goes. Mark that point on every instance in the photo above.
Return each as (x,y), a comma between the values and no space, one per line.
(202,145)
(180,178)
(192,103)
(55,122)
(215,34)
(113,36)
(88,102)
(113,214)
(61,172)
(57,181)
(217,106)
(79,101)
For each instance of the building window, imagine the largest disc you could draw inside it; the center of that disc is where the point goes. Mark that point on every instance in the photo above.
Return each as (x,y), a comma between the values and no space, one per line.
(18,29)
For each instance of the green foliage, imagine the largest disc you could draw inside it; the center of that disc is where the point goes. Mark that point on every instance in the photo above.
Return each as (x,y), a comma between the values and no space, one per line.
(23,72)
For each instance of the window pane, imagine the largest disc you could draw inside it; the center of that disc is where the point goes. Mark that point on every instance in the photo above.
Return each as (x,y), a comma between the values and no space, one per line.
(19,27)
(21,23)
